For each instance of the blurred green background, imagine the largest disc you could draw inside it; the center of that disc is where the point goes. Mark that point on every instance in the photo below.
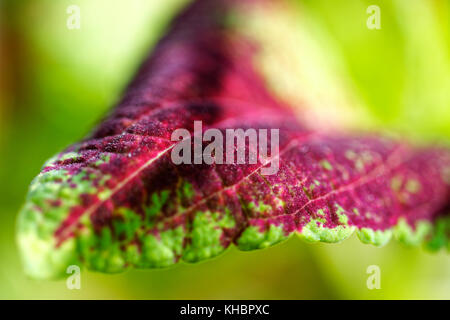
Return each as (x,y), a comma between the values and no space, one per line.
(56,83)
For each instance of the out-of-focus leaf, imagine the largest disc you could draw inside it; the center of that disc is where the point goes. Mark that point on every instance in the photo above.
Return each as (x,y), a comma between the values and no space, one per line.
(116,200)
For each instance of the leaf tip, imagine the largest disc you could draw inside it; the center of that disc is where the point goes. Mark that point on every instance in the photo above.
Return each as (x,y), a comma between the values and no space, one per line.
(41,257)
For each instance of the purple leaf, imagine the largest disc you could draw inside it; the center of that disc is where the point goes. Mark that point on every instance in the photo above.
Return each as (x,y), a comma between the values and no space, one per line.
(117,200)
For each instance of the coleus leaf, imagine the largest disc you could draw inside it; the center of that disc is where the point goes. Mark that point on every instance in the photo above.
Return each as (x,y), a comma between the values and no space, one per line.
(116,200)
